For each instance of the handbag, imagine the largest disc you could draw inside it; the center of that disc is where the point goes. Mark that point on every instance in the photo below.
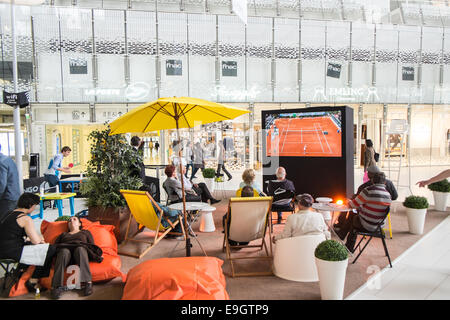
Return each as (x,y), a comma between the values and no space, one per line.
(376,156)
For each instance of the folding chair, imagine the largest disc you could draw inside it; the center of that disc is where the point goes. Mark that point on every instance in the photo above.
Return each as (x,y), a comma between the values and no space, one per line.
(248,219)
(389,225)
(378,233)
(11,270)
(140,205)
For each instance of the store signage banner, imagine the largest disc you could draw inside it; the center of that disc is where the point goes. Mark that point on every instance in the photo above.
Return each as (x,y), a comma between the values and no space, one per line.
(240,9)
(334,70)
(229,68)
(408,73)
(22,99)
(174,67)
(78,66)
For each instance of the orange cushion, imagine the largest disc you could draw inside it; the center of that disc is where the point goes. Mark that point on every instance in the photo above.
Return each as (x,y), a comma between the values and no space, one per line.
(19,288)
(108,269)
(103,234)
(187,278)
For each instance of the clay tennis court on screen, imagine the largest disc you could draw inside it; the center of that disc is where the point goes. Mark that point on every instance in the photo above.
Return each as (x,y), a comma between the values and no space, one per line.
(304,137)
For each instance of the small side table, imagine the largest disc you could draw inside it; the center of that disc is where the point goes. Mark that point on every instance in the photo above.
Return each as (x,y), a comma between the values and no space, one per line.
(207,220)
(58,197)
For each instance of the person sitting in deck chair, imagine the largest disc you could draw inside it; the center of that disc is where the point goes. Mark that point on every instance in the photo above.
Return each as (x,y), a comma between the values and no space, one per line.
(247,191)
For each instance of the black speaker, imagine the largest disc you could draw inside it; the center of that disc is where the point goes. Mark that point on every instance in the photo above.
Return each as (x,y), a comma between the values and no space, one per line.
(34,165)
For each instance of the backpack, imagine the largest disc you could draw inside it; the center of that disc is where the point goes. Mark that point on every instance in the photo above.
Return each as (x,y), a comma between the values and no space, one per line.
(376,156)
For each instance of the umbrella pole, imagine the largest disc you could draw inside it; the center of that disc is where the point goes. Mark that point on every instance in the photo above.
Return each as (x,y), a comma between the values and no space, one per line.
(186,230)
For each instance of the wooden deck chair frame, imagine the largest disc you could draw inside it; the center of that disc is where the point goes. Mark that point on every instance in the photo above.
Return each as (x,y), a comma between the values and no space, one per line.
(159,228)
(269,253)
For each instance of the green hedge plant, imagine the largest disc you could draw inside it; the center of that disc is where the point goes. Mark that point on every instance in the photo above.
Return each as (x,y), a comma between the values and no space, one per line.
(209,173)
(63,218)
(331,250)
(416,202)
(440,186)
(111,167)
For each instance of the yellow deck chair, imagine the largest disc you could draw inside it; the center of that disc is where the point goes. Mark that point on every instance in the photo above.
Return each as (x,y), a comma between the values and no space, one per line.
(389,225)
(249,219)
(140,205)
(239,192)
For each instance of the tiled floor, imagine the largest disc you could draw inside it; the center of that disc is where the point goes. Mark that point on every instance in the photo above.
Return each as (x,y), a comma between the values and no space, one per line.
(420,273)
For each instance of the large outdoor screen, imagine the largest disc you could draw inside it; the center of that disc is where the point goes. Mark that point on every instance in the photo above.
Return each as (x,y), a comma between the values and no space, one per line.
(304,134)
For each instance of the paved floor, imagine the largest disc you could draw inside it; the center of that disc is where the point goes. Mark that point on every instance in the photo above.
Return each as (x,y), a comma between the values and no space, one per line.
(421,272)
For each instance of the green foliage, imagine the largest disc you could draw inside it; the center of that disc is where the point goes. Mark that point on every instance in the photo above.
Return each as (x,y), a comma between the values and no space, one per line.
(416,202)
(63,218)
(109,170)
(440,186)
(209,173)
(331,250)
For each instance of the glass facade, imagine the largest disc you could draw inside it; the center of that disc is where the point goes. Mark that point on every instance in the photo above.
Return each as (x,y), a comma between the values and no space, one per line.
(85,66)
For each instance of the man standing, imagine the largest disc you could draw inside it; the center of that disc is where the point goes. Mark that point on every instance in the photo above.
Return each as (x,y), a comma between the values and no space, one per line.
(9,184)
(55,168)
(138,146)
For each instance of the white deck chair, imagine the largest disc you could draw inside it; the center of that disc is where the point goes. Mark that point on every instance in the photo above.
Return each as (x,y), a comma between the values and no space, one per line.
(294,258)
(249,219)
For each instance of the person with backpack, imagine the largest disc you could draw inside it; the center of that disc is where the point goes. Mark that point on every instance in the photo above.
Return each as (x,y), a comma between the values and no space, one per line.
(55,167)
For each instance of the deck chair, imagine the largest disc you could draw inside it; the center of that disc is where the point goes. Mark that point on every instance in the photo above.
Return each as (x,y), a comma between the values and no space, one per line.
(248,220)
(140,205)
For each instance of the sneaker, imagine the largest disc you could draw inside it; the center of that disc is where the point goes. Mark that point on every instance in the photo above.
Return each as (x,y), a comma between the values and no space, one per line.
(57,292)
(229,178)
(87,289)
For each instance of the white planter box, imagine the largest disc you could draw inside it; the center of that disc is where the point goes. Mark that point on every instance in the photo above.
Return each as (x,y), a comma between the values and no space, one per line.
(416,220)
(210,184)
(440,200)
(331,278)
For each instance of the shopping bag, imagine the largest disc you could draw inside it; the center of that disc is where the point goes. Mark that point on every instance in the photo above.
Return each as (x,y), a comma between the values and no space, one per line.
(34,255)
(366,176)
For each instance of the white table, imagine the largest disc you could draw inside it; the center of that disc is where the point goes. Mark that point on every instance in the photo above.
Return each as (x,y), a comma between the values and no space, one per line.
(326,214)
(192,206)
(332,207)
(204,208)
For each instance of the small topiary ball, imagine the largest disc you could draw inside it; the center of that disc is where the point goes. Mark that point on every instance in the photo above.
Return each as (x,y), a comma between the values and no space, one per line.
(331,250)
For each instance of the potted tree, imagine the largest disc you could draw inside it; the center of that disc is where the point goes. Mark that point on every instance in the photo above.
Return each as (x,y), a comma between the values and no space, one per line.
(208,175)
(416,209)
(331,261)
(440,190)
(109,170)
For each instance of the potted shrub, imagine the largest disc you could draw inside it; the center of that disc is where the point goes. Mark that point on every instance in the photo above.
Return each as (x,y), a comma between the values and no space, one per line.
(109,170)
(208,175)
(416,209)
(331,261)
(440,190)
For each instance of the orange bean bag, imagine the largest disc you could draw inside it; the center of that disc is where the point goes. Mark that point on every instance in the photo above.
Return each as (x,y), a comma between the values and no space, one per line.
(189,278)
(103,236)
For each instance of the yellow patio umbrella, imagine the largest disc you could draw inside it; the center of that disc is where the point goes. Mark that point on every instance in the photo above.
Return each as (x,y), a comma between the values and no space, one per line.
(174,113)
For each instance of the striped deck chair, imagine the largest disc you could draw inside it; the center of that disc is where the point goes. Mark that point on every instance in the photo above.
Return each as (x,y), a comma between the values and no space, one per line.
(248,219)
